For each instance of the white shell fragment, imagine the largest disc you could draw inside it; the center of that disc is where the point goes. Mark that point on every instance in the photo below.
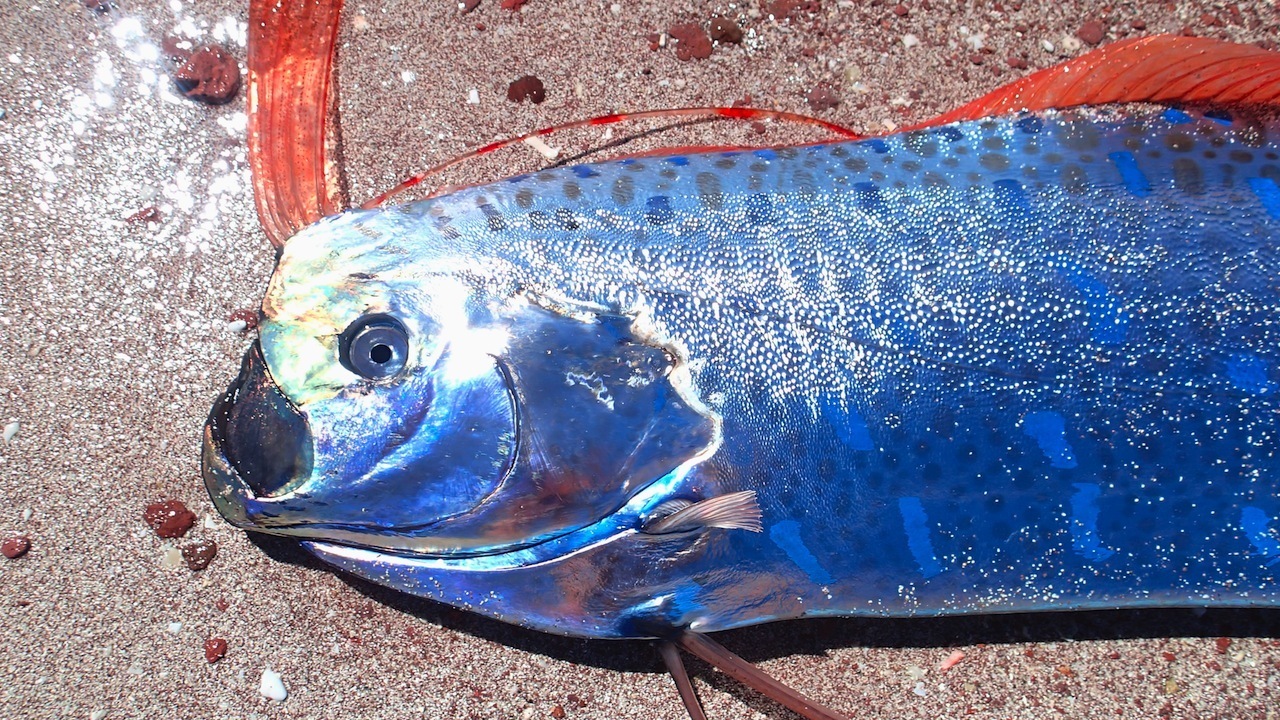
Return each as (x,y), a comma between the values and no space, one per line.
(473,96)
(272,686)
(543,149)
(11,430)
(237,326)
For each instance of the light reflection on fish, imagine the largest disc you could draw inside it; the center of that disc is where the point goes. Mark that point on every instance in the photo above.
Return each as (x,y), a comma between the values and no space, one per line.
(1019,363)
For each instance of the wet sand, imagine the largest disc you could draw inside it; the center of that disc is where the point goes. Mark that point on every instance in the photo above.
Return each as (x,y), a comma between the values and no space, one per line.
(114,341)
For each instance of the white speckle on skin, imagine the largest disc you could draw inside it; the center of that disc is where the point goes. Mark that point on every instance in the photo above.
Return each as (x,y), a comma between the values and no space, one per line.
(272,686)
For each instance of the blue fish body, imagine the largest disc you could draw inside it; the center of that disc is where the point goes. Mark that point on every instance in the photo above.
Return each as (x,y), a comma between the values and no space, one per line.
(1023,363)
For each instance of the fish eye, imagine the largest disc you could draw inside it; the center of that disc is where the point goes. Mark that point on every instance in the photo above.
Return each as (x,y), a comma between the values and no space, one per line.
(374,347)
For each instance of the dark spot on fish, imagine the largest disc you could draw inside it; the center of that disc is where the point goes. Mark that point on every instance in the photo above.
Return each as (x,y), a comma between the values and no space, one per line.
(1030,172)
(1179,142)
(805,183)
(669,173)
(1081,135)
(921,143)
(759,209)
(1253,135)
(624,190)
(572,191)
(658,210)
(911,166)
(1210,154)
(494,218)
(949,133)
(839,151)
(994,143)
(1154,153)
(1133,144)
(539,220)
(887,159)
(726,163)
(950,162)
(755,182)
(565,219)
(994,162)
(759,167)
(960,149)
(878,176)
(868,196)
(810,162)
(1074,179)
(1031,149)
(1187,176)
(1241,156)
(1030,125)
(709,191)
(1272,156)
(584,171)
(974,177)
(933,179)
(1053,158)
(635,166)
(855,164)
(524,198)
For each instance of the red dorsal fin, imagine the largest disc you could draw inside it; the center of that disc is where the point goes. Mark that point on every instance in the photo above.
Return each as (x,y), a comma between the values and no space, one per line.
(290,53)
(727,113)
(1160,69)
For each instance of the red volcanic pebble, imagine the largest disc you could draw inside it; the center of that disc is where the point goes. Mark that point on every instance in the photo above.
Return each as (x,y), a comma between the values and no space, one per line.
(900,10)
(248,317)
(822,97)
(468,5)
(1222,644)
(692,42)
(209,74)
(1168,656)
(215,649)
(170,519)
(1091,32)
(222,604)
(725,30)
(15,547)
(527,86)
(199,554)
(557,712)
(1016,62)
(781,9)
(512,5)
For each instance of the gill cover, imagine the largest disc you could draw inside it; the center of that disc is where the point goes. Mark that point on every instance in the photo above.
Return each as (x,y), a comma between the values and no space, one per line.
(512,421)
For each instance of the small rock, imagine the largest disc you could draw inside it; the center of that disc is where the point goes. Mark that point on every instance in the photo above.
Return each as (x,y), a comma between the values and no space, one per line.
(473,96)
(465,6)
(692,42)
(511,5)
(99,714)
(910,41)
(725,30)
(1016,62)
(1069,45)
(11,430)
(221,604)
(237,326)
(175,627)
(1091,32)
(171,559)
(900,10)
(1222,644)
(526,86)
(215,649)
(170,519)
(976,58)
(557,712)
(822,97)
(15,547)
(783,9)
(1046,45)
(1138,24)
(271,686)
(199,554)
(209,74)
(248,317)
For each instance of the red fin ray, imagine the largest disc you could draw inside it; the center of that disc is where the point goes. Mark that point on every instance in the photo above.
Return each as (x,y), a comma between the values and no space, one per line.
(291,45)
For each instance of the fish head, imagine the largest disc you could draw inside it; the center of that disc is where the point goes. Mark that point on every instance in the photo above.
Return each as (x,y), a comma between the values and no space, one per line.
(403,397)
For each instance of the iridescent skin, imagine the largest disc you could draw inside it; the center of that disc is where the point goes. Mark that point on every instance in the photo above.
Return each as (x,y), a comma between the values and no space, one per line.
(1015,364)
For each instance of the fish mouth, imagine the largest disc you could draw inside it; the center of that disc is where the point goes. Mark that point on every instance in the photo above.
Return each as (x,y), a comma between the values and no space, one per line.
(256,443)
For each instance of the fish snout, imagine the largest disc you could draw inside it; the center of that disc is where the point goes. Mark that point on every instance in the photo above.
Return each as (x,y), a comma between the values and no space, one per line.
(256,443)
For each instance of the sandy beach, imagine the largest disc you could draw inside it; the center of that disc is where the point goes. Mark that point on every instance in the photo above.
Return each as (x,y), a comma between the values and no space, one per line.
(130,239)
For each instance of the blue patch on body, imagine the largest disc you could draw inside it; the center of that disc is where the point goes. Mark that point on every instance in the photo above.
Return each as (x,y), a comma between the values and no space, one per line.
(878,145)
(1134,180)
(786,535)
(868,196)
(657,210)
(916,523)
(848,425)
(1249,373)
(678,160)
(1109,324)
(1176,116)
(1084,523)
(1255,524)
(765,154)
(1268,194)
(584,171)
(1049,430)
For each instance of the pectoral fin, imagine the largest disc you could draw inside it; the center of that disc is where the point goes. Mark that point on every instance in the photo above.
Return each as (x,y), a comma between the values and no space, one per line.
(731,511)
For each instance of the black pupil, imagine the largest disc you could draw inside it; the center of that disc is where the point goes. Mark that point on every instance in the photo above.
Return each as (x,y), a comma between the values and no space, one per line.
(380,354)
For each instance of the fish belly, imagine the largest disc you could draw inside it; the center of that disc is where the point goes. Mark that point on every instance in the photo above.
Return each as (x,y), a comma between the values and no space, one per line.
(1021,363)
